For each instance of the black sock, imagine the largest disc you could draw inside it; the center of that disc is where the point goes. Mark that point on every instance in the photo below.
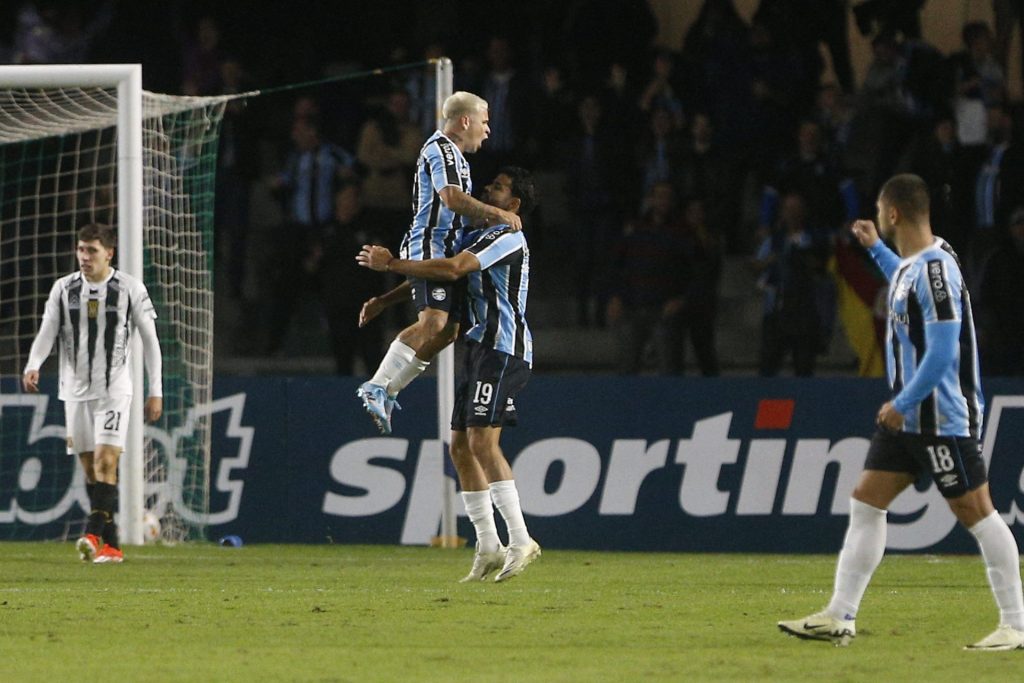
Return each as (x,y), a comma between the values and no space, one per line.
(110,528)
(103,498)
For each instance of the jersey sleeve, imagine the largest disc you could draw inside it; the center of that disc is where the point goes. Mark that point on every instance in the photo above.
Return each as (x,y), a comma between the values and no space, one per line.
(493,246)
(48,329)
(142,305)
(443,159)
(938,288)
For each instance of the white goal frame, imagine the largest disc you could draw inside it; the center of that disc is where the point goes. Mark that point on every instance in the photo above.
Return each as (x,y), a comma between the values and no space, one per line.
(127,78)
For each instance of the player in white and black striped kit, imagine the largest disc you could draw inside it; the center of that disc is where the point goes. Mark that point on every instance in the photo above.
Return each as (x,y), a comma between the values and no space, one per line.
(442,199)
(93,315)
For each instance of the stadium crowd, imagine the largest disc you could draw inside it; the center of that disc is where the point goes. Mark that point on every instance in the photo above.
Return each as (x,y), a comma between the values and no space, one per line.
(658,165)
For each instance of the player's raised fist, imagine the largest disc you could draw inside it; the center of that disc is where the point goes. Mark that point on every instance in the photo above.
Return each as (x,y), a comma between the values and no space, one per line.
(865,232)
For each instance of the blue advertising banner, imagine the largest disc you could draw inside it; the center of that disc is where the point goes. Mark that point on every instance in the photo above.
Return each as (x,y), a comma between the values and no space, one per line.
(643,463)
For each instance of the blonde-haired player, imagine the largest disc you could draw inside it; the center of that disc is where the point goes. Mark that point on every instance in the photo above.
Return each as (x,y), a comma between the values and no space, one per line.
(444,203)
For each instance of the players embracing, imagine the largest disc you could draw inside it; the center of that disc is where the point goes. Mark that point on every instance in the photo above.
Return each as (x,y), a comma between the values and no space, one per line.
(494,361)
(443,206)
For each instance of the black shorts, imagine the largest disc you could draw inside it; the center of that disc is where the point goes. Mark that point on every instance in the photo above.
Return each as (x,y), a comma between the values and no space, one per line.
(953,462)
(442,296)
(486,383)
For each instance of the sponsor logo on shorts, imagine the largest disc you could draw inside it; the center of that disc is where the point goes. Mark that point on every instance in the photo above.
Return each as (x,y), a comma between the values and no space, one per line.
(438,294)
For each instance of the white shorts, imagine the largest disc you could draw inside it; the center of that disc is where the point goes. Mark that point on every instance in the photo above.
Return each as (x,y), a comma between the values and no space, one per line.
(100,421)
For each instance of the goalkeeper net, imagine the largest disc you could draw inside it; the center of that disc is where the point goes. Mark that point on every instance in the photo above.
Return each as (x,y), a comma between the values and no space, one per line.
(59,171)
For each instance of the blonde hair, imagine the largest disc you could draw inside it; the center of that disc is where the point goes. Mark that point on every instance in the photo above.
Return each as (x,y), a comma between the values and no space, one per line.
(462,103)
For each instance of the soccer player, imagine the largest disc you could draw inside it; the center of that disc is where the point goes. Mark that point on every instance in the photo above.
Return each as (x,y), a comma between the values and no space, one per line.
(494,365)
(932,424)
(94,313)
(443,194)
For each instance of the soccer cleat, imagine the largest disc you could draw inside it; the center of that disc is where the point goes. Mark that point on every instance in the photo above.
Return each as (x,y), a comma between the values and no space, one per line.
(1002,639)
(821,626)
(87,547)
(108,554)
(517,559)
(485,563)
(378,404)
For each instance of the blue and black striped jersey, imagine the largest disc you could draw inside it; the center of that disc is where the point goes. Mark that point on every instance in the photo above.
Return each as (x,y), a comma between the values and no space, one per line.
(498,292)
(436,230)
(926,290)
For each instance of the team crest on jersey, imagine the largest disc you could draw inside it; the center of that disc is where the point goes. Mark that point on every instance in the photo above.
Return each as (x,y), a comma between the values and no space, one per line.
(94,308)
(438,294)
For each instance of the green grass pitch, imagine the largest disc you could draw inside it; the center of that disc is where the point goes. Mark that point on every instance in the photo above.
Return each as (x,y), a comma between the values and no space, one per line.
(200,612)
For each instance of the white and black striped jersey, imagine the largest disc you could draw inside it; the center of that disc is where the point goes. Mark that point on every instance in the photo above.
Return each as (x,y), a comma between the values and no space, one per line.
(498,292)
(93,324)
(436,230)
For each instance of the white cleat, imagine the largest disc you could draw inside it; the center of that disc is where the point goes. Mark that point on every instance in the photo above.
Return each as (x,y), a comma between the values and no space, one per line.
(1002,639)
(87,546)
(485,563)
(821,626)
(517,559)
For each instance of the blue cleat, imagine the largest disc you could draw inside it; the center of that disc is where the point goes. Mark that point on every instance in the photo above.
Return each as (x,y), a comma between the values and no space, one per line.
(378,404)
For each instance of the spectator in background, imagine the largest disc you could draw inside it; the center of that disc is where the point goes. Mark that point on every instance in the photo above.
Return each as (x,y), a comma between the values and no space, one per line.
(594,177)
(388,146)
(422,88)
(949,170)
(238,166)
(999,185)
(507,94)
(1000,305)
(306,186)
(201,59)
(704,171)
(828,196)
(889,16)
(652,275)
(834,117)
(791,267)
(343,285)
(1007,13)
(53,32)
(699,317)
(977,75)
(554,106)
(660,152)
(662,91)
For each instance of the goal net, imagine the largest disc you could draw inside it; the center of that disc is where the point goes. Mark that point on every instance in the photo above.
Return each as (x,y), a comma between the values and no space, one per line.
(61,167)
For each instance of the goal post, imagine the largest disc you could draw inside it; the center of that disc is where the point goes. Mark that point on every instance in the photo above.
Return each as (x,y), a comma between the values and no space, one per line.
(86,144)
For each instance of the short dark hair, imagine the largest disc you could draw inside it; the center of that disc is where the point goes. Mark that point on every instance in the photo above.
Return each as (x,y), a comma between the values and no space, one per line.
(523,188)
(94,231)
(908,193)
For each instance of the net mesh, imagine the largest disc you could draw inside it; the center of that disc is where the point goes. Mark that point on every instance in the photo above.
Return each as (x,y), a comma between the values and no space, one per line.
(58,171)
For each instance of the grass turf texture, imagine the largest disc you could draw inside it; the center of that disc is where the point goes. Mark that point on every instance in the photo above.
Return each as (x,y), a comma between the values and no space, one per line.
(382,613)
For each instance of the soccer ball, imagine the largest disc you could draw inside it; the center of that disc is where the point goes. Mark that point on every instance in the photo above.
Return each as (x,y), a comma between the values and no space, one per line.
(150,528)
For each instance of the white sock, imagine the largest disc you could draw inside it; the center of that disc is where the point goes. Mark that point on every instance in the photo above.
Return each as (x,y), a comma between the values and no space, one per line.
(862,550)
(398,356)
(506,499)
(407,374)
(1002,563)
(481,513)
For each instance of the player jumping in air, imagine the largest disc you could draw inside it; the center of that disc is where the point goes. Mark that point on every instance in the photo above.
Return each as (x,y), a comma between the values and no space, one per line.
(932,425)
(443,194)
(495,357)
(94,314)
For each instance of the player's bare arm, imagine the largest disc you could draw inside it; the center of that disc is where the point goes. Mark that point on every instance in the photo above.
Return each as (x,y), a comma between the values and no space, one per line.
(464,205)
(30,381)
(865,232)
(154,408)
(436,269)
(376,305)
